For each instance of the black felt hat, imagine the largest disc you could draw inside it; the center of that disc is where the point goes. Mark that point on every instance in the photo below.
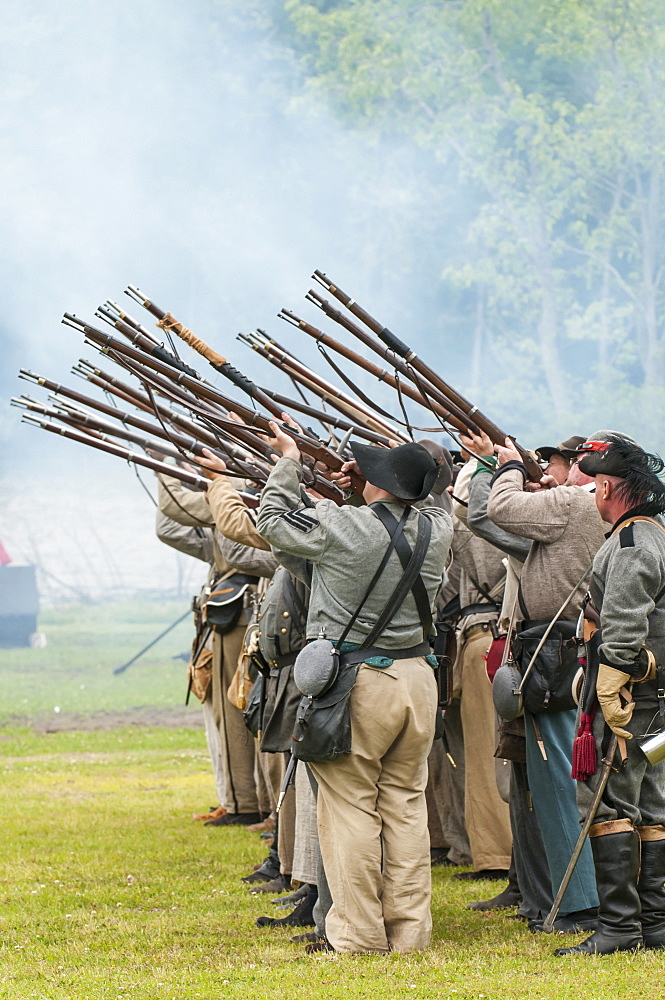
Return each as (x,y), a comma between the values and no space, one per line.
(617,458)
(567,448)
(408,471)
(444,460)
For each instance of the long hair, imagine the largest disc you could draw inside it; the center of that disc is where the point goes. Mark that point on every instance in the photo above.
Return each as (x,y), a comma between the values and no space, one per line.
(641,485)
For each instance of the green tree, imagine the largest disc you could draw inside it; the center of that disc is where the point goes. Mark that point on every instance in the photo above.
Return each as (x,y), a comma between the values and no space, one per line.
(549,117)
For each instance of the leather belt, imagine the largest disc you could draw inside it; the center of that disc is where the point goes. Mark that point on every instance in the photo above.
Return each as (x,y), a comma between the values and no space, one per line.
(360,655)
(479,609)
(475,629)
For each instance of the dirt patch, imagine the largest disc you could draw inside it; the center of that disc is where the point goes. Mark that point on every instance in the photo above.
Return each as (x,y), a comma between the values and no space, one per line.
(168,718)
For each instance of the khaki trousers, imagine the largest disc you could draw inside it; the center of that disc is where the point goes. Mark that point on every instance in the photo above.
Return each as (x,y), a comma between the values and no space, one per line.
(237,743)
(487,815)
(372,814)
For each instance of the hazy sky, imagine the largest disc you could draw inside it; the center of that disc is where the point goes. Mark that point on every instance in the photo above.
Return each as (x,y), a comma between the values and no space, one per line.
(146,143)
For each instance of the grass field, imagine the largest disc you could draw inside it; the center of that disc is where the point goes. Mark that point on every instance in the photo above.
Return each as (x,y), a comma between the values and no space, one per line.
(74,673)
(108,889)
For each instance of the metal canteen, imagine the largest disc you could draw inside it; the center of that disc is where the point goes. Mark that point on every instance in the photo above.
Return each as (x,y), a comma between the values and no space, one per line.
(506,694)
(653,748)
(315,668)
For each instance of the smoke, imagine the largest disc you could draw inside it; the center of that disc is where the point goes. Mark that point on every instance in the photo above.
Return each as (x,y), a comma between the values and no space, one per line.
(171,146)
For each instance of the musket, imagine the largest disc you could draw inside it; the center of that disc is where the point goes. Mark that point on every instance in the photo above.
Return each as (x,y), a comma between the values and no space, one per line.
(603,777)
(327,419)
(191,451)
(138,339)
(168,322)
(85,421)
(120,313)
(403,351)
(134,458)
(127,418)
(109,383)
(310,446)
(426,396)
(357,411)
(218,420)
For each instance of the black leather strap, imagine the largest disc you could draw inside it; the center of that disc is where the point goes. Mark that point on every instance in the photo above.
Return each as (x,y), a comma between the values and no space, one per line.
(412,562)
(395,534)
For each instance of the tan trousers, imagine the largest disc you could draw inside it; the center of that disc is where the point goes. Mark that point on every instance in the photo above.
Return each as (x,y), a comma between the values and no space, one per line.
(372,814)
(237,743)
(487,815)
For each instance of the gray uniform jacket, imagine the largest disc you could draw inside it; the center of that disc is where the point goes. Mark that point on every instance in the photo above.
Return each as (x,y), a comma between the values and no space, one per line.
(628,589)
(346,546)
(283,618)
(196,542)
(482,525)
(247,559)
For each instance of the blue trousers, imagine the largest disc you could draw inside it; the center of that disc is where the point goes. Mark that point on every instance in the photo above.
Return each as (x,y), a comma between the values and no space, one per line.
(554,799)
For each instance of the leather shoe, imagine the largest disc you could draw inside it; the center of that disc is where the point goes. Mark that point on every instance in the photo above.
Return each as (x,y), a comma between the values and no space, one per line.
(487,875)
(511,896)
(278,884)
(235,819)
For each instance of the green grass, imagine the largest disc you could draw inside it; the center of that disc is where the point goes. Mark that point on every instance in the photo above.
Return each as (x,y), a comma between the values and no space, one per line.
(85,642)
(108,889)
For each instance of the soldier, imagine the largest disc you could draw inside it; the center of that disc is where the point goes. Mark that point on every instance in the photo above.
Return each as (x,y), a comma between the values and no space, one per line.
(628,591)
(565,531)
(238,754)
(372,813)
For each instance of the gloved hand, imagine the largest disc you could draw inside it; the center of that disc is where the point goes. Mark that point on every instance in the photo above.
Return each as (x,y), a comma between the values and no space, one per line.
(609,683)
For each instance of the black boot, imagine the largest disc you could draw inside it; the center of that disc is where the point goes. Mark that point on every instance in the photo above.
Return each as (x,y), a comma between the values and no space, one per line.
(281,883)
(511,896)
(616,857)
(652,893)
(301,916)
(266,872)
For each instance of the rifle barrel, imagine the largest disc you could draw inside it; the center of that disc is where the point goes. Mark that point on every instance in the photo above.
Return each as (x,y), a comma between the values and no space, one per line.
(402,350)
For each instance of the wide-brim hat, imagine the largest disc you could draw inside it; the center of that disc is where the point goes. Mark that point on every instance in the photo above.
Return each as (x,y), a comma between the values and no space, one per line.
(609,453)
(567,448)
(444,460)
(407,472)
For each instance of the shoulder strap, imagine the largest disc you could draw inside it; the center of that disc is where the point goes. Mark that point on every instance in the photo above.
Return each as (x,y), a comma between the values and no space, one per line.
(481,590)
(294,602)
(412,562)
(522,602)
(638,517)
(395,535)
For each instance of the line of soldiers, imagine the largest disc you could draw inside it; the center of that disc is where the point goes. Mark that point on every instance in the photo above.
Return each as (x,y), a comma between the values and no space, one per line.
(505,567)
